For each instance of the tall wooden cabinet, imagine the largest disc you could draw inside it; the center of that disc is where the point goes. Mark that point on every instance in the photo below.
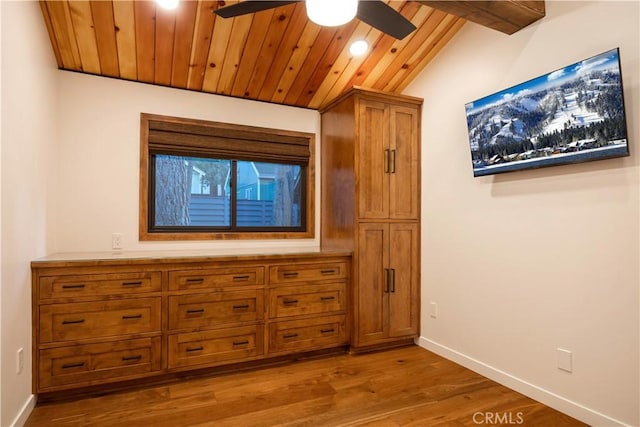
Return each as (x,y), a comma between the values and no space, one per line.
(371,205)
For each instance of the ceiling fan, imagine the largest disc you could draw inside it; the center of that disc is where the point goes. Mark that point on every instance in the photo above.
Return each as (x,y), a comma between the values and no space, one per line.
(335,12)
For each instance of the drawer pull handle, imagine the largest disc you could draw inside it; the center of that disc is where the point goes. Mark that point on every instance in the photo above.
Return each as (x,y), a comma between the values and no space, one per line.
(131,358)
(285,336)
(326,272)
(327,298)
(290,274)
(241,278)
(79,286)
(194,281)
(132,316)
(327,331)
(72,365)
(290,301)
(193,349)
(136,283)
(245,342)
(72,322)
(241,307)
(195,311)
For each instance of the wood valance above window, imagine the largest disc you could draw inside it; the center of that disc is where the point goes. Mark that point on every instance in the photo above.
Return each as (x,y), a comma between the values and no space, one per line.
(223,140)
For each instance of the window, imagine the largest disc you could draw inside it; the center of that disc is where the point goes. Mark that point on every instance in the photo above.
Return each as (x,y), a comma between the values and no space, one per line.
(208,180)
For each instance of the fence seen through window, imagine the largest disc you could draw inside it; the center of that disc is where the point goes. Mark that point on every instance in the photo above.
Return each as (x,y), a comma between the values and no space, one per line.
(192,192)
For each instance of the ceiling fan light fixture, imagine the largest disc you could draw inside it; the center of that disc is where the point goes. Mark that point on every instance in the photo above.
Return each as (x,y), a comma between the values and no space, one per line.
(331,13)
(168,4)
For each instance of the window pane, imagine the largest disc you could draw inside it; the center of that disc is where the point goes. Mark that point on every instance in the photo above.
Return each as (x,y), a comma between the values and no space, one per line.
(190,191)
(268,194)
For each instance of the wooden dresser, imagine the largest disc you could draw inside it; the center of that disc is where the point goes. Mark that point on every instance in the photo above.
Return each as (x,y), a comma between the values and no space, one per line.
(108,319)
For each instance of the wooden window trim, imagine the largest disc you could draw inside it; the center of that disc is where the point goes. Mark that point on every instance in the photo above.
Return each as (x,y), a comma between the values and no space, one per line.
(220,130)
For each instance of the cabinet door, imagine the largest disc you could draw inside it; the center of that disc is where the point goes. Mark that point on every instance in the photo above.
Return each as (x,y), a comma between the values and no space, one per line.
(373,160)
(404,292)
(371,293)
(404,160)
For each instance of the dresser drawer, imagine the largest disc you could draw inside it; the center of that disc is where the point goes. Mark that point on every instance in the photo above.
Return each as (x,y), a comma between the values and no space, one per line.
(99,284)
(75,321)
(209,310)
(94,363)
(309,334)
(215,277)
(307,299)
(216,347)
(308,272)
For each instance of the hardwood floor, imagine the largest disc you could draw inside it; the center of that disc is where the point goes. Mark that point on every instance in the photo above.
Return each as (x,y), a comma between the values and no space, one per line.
(407,386)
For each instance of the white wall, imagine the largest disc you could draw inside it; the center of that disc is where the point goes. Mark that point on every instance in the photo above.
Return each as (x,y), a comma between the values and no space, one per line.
(96,188)
(0,214)
(523,263)
(28,136)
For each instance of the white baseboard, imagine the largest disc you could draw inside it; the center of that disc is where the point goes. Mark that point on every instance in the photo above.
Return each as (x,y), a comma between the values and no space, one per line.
(24,413)
(546,397)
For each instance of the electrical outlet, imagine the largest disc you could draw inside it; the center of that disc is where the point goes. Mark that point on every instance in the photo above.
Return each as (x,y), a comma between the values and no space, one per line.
(433,310)
(19,360)
(564,360)
(116,241)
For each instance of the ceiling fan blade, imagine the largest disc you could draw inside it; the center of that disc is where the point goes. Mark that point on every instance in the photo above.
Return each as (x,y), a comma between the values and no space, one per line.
(246,7)
(385,18)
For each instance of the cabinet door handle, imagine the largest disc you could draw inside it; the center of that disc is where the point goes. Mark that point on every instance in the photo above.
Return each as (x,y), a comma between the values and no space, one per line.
(327,298)
(328,271)
(72,365)
(327,331)
(78,286)
(393,161)
(72,322)
(194,281)
(386,161)
(195,311)
(131,316)
(241,278)
(393,279)
(132,284)
(241,307)
(386,280)
(193,349)
(131,358)
(290,274)
(289,336)
(244,342)
(290,301)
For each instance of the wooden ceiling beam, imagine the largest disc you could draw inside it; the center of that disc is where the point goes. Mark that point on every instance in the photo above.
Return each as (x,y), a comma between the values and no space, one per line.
(506,16)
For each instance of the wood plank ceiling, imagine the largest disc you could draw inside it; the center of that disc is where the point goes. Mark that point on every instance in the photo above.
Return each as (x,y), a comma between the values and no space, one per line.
(276,55)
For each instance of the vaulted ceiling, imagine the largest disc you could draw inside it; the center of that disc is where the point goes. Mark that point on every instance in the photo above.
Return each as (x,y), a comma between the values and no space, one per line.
(276,55)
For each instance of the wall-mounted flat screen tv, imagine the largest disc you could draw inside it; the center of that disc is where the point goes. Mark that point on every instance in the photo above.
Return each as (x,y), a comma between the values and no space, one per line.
(571,115)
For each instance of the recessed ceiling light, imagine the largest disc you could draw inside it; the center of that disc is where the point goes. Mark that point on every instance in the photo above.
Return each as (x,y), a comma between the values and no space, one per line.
(359,47)
(168,4)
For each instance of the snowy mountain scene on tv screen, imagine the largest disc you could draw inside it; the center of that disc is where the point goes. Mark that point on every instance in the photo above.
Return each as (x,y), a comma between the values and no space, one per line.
(574,114)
